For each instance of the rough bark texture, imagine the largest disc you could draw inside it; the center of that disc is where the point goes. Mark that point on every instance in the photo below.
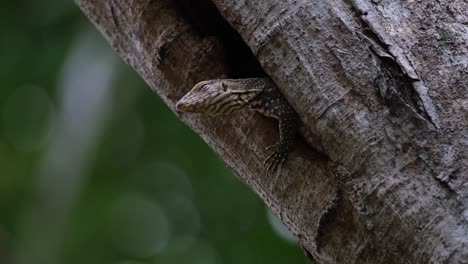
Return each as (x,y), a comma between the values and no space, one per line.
(380,86)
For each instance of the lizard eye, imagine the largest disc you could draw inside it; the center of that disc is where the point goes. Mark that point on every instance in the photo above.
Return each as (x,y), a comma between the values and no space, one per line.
(224,86)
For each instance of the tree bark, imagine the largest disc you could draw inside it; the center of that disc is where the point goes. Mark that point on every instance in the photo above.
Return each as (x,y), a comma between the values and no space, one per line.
(381,89)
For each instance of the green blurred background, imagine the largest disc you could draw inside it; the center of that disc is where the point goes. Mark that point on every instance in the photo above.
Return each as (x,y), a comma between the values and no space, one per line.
(94,168)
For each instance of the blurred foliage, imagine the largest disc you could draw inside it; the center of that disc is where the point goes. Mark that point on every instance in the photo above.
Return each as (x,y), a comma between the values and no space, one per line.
(145,190)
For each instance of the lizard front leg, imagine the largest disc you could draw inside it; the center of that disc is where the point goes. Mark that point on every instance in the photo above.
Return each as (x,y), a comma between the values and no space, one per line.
(287,139)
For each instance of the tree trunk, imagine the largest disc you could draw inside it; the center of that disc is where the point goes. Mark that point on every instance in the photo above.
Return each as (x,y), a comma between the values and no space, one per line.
(381,89)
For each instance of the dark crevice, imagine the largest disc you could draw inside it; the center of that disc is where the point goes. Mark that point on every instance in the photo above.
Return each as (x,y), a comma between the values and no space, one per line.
(396,90)
(368,32)
(397,80)
(327,221)
(337,220)
(393,83)
(206,21)
(390,68)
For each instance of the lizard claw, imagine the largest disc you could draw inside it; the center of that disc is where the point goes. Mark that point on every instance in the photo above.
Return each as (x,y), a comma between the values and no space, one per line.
(275,161)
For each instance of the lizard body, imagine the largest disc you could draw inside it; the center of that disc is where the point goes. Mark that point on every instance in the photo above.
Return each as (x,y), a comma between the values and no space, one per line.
(223,96)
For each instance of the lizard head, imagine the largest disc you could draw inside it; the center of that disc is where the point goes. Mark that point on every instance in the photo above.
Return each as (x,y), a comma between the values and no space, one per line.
(214,97)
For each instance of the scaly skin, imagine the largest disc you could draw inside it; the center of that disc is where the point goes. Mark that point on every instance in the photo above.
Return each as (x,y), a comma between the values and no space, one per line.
(224,96)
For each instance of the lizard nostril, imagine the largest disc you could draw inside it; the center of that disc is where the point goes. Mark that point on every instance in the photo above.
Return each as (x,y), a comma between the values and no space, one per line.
(181,106)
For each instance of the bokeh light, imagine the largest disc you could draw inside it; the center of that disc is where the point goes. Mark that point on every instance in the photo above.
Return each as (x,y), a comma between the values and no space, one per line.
(138,226)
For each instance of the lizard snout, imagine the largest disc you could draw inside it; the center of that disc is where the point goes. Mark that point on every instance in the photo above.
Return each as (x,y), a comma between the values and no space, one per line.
(184,105)
(181,106)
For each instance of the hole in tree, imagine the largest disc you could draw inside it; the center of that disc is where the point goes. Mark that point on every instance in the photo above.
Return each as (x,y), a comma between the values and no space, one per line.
(206,21)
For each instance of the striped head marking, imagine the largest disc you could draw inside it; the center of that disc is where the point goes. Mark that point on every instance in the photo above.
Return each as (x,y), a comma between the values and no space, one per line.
(215,97)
